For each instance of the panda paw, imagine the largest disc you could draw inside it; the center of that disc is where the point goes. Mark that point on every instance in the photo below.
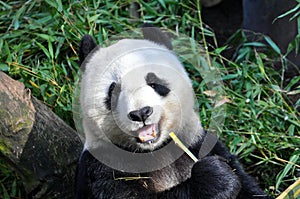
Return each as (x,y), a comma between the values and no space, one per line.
(212,177)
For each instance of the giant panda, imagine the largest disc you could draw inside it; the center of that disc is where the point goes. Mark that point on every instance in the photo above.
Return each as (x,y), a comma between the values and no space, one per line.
(133,93)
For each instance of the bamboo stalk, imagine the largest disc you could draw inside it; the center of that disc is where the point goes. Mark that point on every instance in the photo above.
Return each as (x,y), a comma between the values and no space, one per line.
(181,145)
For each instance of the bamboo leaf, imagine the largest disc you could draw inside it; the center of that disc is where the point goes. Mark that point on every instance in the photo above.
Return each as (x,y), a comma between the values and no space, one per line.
(51,53)
(272,44)
(288,12)
(284,172)
(59,6)
(261,65)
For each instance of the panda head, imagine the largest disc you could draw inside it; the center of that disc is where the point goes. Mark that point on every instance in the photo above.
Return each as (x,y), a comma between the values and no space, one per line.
(134,93)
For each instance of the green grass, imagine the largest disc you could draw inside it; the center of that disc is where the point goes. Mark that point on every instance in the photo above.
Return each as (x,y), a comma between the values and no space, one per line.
(10,183)
(38,43)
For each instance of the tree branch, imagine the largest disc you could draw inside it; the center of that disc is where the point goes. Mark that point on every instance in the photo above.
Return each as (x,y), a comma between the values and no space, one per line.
(36,142)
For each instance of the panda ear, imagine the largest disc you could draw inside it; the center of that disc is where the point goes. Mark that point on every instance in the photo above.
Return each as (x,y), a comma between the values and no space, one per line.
(156,35)
(87,44)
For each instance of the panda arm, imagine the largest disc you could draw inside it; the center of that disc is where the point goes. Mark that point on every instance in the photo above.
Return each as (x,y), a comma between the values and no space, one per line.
(249,187)
(211,177)
(95,180)
(220,175)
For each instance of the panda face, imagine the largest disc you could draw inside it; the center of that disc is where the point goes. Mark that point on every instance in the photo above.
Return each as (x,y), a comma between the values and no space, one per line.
(140,109)
(140,104)
(133,93)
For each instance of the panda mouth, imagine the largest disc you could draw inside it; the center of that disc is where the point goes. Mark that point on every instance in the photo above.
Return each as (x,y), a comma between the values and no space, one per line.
(148,133)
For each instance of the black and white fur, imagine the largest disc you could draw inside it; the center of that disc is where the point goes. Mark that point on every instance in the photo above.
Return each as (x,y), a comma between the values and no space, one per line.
(112,102)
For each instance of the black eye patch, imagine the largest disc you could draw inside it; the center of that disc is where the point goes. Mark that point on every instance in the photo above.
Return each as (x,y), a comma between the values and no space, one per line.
(160,86)
(109,94)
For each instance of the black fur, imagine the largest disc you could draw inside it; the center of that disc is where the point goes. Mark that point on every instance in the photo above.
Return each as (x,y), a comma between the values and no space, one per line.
(159,85)
(109,94)
(87,44)
(218,175)
(156,35)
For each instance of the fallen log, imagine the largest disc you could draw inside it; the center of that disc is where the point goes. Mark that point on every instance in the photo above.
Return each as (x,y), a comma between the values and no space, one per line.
(36,142)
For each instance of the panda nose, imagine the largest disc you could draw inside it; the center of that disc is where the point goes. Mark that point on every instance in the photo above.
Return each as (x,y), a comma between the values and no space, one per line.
(140,115)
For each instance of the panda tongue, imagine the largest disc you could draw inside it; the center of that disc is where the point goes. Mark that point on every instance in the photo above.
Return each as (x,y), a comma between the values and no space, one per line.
(147,133)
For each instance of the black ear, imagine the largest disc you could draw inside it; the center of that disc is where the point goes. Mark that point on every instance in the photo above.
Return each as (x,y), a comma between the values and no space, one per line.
(87,44)
(156,35)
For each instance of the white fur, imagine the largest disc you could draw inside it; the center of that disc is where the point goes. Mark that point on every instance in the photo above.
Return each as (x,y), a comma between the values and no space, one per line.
(127,63)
